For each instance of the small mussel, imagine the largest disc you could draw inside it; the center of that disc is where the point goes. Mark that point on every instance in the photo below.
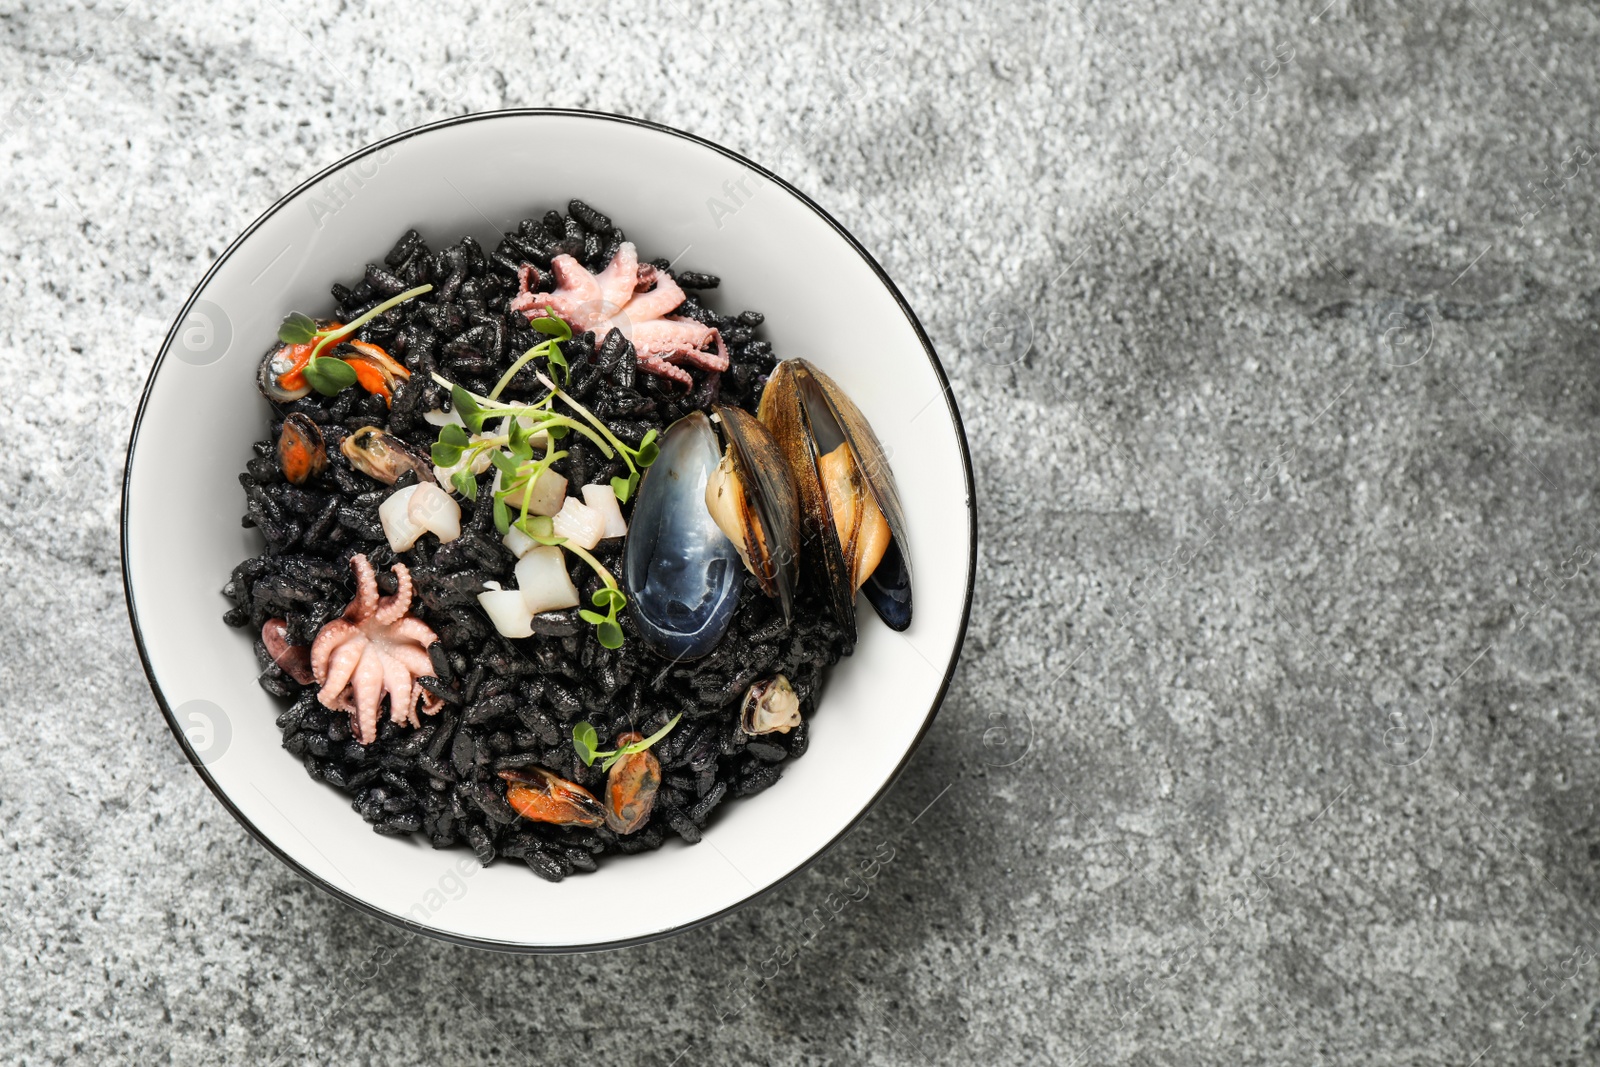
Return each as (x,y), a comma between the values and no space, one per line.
(539,796)
(280,375)
(681,569)
(301,451)
(849,507)
(770,706)
(376,371)
(384,456)
(631,787)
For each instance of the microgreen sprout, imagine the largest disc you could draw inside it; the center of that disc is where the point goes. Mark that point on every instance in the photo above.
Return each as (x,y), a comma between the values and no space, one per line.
(584,740)
(549,349)
(325,374)
(511,448)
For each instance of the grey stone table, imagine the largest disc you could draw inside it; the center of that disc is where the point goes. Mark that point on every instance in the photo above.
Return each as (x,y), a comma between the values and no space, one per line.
(1274,740)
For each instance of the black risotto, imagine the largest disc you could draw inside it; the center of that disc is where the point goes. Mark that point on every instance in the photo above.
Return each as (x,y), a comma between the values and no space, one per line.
(510,704)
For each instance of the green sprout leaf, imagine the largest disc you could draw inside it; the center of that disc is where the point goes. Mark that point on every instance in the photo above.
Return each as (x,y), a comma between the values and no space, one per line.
(559,360)
(502,514)
(296,329)
(467,408)
(329,376)
(521,445)
(649,451)
(554,327)
(505,463)
(585,740)
(465,483)
(609,634)
(607,597)
(447,450)
(593,618)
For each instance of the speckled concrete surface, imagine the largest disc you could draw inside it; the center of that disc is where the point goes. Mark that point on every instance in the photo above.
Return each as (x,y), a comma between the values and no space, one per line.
(1274,330)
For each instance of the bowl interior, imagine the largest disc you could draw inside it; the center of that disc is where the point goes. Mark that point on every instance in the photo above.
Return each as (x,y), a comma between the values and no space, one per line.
(675,197)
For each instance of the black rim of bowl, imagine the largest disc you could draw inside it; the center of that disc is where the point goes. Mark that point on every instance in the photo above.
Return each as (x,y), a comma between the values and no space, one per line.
(513,946)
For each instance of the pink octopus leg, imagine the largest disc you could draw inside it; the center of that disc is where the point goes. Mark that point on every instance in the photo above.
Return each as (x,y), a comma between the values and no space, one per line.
(367,688)
(366,600)
(679,340)
(342,667)
(577,298)
(398,683)
(330,637)
(661,368)
(528,278)
(390,609)
(657,302)
(618,280)
(412,628)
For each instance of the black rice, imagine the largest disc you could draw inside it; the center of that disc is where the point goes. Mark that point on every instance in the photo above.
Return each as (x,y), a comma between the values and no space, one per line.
(511,703)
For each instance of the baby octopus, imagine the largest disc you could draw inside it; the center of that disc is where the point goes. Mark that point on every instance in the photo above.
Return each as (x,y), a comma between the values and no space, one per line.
(628,297)
(374,649)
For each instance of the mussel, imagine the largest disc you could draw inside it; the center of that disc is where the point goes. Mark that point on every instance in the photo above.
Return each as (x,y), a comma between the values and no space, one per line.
(539,796)
(301,452)
(718,499)
(384,456)
(279,374)
(849,507)
(631,787)
(376,371)
(751,496)
(770,706)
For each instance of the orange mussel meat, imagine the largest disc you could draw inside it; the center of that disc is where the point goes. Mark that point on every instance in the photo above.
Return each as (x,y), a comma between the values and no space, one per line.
(631,787)
(301,451)
(539,796)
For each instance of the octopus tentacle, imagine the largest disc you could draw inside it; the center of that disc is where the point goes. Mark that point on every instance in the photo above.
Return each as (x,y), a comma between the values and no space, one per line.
(342,667)
(391,609)
(328,638)
(400,686)
(412,628)
(661,300)
(697,358)
(618,281)
(414,659)
(658,366)
(426,701)
(366,599)
(366,686)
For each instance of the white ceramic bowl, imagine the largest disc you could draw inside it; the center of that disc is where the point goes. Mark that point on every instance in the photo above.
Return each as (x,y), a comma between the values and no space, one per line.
(676,195)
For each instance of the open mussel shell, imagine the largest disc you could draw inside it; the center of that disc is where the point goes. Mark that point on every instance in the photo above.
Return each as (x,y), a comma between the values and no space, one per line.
(766,505)
(810,417)
(280,360)
(719,499)
(381,455)
(681,572)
